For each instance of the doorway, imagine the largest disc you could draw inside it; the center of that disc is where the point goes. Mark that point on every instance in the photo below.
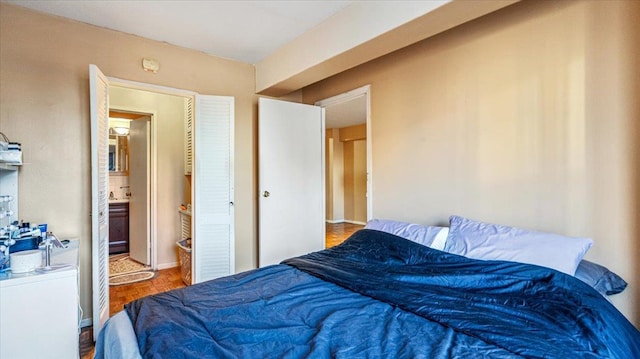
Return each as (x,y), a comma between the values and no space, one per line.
(209,189)
(348,159)
(130,186)
(153,186)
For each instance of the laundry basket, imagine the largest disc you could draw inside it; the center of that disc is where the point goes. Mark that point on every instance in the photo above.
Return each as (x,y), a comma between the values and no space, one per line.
(184,254)
(184,245)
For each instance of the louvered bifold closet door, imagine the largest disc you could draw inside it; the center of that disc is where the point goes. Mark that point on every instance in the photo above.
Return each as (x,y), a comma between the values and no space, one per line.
(99,104)
(212,207)
(188,136)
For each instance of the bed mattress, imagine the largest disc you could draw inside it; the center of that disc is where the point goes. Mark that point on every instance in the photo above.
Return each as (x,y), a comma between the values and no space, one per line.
(378,295)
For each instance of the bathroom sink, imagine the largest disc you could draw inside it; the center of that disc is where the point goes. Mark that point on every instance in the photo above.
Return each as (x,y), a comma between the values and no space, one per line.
(118,200)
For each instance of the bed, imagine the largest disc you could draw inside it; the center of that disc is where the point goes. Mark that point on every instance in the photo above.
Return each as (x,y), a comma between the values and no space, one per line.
(377,295)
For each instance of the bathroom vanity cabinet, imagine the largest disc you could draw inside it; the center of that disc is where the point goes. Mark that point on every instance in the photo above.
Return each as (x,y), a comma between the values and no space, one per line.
(118,227)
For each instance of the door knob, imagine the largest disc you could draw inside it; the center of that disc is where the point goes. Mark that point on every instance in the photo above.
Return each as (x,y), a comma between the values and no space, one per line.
(266,194)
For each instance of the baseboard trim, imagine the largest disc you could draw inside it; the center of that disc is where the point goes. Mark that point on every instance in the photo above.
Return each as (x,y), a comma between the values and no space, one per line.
(337,221)
(356,222)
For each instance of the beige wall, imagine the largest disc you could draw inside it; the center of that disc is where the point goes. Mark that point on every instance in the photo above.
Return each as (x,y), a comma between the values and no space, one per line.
(527,117)
(169,127)
(355,181)
(352,133)
(346,174)
(334,176)
(353,139)
(44,104)
(359,181)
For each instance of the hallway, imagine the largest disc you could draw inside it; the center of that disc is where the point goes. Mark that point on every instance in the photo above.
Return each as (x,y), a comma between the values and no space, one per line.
(337,233)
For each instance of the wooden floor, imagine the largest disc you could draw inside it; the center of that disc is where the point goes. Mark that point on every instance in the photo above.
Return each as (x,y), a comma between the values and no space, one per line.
(164,280)
(337,233)
(120,295)
(171,278)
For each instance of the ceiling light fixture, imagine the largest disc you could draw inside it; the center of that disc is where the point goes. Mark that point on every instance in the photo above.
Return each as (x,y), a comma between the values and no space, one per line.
(120,131)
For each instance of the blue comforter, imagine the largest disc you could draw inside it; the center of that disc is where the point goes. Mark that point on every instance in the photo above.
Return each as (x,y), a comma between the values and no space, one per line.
(378,295)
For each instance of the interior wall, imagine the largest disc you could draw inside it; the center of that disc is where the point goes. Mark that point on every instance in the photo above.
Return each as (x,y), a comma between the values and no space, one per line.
(352,133)
(349,177)
(359,181)
(169,125)
(328,175)
(44,104)
(355,180)
(334,176)
(353,139)
(526,117)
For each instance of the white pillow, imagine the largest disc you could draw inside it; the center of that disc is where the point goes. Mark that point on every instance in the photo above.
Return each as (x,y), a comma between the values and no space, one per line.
(496,242)
(441,239)
(429,236)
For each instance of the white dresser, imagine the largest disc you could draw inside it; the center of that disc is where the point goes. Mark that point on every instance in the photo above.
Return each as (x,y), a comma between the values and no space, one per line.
(39,312)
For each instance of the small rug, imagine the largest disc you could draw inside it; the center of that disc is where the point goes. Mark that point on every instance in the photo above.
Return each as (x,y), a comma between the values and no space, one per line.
(131,277)
(122,264)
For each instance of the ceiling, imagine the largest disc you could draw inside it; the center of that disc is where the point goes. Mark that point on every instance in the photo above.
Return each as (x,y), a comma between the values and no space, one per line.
(245,31)
(348,113)
(252,31)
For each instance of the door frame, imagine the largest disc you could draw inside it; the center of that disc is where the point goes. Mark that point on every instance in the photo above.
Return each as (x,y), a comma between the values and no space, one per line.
(114,81)
(153,211)
(347,96)
(153,175)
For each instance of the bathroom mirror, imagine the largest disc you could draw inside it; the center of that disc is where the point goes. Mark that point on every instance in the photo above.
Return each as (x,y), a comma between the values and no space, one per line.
(118,154)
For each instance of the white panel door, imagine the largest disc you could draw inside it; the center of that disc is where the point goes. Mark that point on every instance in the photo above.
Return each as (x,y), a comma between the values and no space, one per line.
(291,176)
(212,203)
(99,103)
(139,204)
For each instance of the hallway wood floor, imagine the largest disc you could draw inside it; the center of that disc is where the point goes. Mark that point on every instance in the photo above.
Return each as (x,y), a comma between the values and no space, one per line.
(120,295)
(337,233)
(168,279)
